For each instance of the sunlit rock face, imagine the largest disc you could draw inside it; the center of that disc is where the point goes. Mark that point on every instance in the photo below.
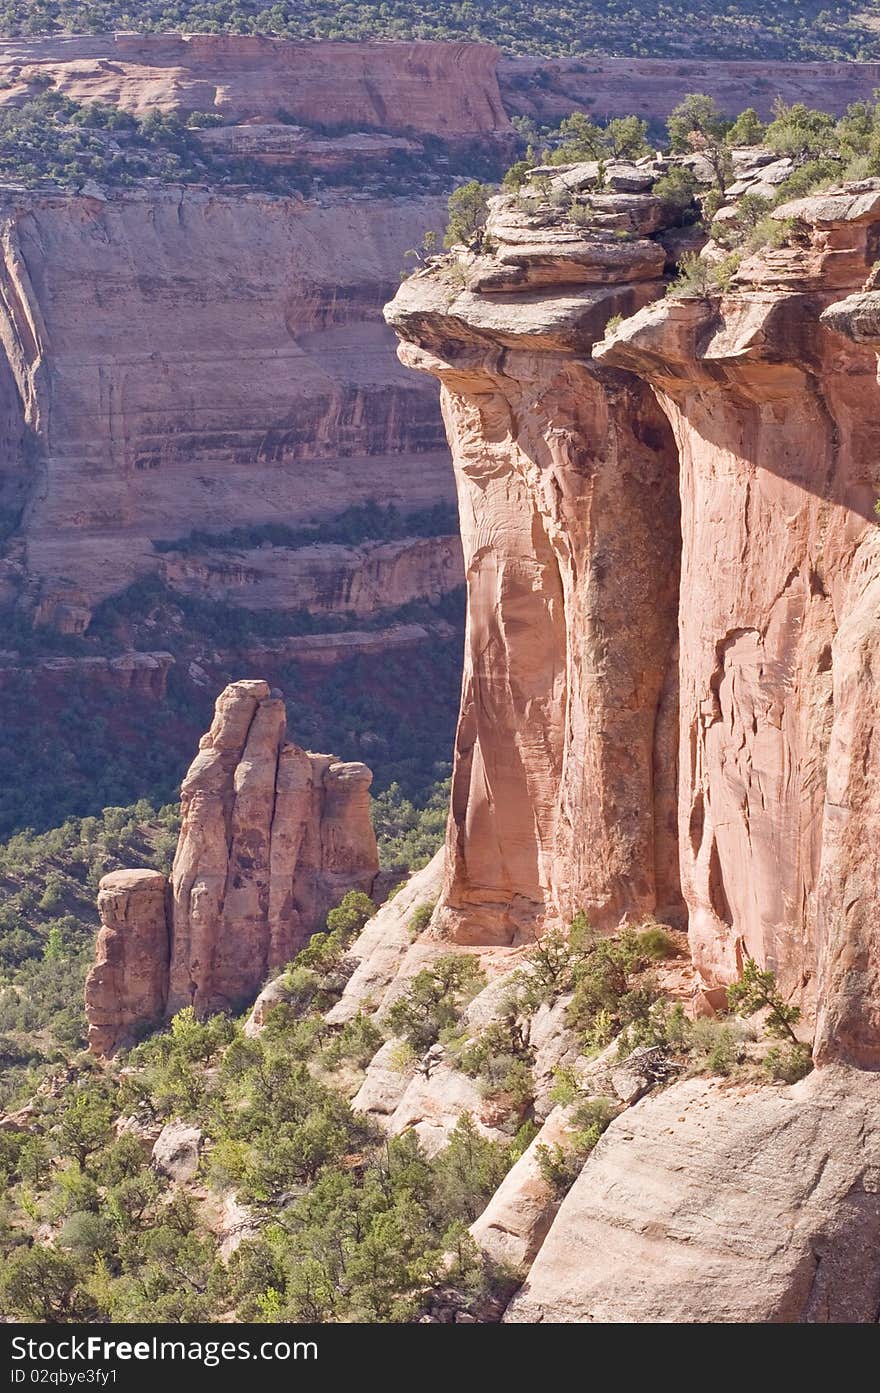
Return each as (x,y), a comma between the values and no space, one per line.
(775,413)
(564,784)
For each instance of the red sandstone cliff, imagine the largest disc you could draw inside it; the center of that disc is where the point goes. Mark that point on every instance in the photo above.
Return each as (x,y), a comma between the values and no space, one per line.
(549,89)
(774,417)
(564,787)
(241,374)
(448,91)
(564,764)
(770,391)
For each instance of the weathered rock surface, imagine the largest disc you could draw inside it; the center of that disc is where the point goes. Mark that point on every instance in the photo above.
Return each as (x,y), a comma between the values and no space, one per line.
(517,1219)
(379,950)
(775,418)
(563,788)
(770,390)
(706,1203)
(177,1151)
(260,387)
(127,986)
(271,838)
(327,579)
(550,88)
(443,90)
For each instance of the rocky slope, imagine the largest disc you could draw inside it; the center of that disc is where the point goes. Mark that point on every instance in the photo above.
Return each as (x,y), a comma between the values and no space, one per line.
(271,838)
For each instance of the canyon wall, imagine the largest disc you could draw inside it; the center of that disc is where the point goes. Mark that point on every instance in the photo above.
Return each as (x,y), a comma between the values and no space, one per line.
(769,389)
(775,417)
(569,485)
(548,89)
(271,838)
(446,91)
(239,375)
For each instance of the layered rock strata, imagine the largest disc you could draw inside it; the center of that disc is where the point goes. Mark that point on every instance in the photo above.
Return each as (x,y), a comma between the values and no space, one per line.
(564,788)
(448,91)
(271,838)
(550,89)
(770,391)
(565,778)
(260,388)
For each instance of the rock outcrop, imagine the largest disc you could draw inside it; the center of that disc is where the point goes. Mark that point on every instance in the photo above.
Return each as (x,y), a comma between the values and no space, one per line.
(548,89)
(711,1204)
(564,788)
(177,1150)
(127,987)
(769,388)
(271,838)
(774,416)
(259,387)
(565,779)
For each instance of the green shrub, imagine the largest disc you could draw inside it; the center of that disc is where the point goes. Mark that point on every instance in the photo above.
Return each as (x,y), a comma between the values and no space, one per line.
(699,279)
(560,1165)
(788,1063)
(468,209)
(713,1046)
(421,918)
(500,1058)
(757,990)
(434,999)
(677,189)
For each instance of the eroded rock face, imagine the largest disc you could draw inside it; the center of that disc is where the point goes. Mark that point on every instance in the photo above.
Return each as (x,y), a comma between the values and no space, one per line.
(705,1200)
(563,786)
(775,416)
(261,386)
(445,90)
(127,986)
(548,89)
(271,838)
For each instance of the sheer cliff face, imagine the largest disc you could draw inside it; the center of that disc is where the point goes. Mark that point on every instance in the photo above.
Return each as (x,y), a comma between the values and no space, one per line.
(569,485)
(563,790)
(446,91)
(241,374)
(775,416)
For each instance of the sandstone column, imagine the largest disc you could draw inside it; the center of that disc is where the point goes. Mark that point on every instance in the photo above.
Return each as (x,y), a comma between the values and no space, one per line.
(126,987)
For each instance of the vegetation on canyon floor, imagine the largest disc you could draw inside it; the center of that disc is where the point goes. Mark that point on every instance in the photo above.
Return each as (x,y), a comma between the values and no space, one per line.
(642,28)
(341,1222)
